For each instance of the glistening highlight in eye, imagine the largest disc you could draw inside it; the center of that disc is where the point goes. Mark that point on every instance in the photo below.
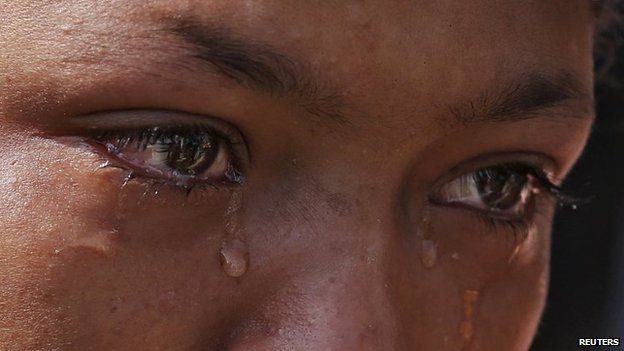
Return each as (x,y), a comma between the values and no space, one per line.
(169,147)
(500,194)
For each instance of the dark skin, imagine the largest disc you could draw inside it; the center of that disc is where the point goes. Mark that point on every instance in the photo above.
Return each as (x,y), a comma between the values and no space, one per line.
(331,197)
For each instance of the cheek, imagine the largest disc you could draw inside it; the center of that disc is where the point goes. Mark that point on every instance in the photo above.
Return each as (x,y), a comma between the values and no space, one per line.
(477,250)
(34,214)
(90,262)
(519,295)
(497,282)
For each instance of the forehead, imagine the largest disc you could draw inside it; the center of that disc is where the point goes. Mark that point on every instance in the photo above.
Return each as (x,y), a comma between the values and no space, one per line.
(383,55)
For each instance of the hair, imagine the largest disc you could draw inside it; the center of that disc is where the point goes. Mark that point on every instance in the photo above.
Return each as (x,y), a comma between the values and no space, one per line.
(609,38)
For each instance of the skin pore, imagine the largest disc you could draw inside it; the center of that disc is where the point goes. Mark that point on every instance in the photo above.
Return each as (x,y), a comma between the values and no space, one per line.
(334,194)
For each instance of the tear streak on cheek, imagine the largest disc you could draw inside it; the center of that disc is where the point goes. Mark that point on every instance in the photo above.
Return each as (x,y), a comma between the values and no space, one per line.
(96,231)
(100,243)
(89,221)
(97,226)
(527,251)
(56,200)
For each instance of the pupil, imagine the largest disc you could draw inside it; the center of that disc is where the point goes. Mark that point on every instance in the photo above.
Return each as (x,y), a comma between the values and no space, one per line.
(191,154)
(500,188)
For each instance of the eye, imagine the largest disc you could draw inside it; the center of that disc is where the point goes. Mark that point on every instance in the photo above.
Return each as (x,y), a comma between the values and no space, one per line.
(182,155)
(502,191)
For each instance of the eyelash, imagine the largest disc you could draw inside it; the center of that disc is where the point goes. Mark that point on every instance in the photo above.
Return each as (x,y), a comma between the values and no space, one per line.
(519,227)
(112,142)
(547,188)
(551,190)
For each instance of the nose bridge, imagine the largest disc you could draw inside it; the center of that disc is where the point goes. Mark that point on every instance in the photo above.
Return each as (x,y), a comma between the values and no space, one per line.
(354,308)
(335,286)
(350,303)
(344,298)
(349,308)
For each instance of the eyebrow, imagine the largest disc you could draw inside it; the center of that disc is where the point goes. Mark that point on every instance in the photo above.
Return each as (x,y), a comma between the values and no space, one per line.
(257,66)
(524,98)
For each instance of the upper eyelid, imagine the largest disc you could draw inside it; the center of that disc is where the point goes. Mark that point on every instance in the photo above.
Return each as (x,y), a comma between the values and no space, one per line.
(142,118)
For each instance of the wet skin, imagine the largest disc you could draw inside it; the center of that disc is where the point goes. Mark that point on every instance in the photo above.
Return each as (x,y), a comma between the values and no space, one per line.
(349,122)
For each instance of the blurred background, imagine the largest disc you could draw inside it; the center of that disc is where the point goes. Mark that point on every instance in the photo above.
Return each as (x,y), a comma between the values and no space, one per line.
(586,298)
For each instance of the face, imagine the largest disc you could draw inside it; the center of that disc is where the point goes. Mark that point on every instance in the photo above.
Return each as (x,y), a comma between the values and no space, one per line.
(279,175)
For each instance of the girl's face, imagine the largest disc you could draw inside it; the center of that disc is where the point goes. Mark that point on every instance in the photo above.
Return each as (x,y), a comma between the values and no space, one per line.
(284,175)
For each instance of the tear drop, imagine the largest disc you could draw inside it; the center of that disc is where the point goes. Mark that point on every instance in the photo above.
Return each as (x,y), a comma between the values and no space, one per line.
(231,219)
(466,328)
(429,253)
(103,165)
(127,179)
(514,254)
(234,258)
(8,180)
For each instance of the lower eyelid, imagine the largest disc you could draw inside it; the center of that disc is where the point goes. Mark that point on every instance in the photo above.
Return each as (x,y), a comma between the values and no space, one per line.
(518,228)
(150,186)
